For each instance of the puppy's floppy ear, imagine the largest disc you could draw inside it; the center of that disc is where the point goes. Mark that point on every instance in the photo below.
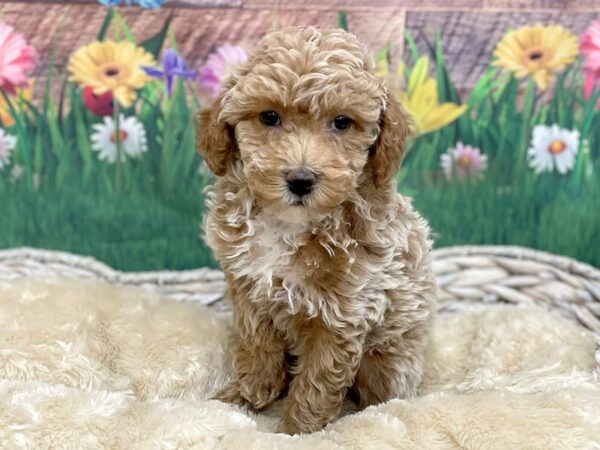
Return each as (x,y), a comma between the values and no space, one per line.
(215,139)
(387,152)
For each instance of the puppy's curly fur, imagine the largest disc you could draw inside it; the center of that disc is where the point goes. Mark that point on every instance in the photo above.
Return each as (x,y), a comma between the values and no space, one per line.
(339,278)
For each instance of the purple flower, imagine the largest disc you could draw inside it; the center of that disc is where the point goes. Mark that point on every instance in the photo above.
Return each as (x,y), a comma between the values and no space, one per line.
(173,66)
(151,4)
(218,65)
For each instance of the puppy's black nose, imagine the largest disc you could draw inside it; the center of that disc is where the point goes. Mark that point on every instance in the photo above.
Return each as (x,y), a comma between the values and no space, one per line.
(300,181)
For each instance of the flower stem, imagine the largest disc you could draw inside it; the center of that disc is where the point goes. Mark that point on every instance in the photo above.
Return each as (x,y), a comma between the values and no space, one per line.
(526,116)
(22,139)
(117,118)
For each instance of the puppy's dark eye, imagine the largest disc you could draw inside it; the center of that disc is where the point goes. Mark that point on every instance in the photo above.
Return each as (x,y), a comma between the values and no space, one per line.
(269,118)
(341,123)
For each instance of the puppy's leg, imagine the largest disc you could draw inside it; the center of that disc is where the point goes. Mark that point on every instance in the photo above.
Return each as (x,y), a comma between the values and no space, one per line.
(326,367)
(393,370)
(230,393)
(261,373)
(259,361)
(261,367)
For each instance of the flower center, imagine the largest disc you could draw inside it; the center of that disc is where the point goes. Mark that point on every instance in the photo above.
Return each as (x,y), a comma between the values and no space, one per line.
(464,161)
(557,147)
(122,136)
(111,72)
(535,55)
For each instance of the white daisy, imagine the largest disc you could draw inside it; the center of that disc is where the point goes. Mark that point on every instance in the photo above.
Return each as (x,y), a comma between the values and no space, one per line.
(553,147)
(7,145)
(132,135)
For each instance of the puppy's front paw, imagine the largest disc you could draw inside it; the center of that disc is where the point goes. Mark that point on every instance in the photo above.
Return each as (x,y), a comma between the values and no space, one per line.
(262,389)
(290,427)
(230,393)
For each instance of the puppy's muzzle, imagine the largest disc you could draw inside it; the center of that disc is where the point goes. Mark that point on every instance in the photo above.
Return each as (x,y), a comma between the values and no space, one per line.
(301,181)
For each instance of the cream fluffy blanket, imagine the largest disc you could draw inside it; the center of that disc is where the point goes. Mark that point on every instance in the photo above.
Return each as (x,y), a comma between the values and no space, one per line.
(90,365)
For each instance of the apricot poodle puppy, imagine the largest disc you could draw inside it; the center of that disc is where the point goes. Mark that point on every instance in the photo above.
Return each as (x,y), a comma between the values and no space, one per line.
(327,266)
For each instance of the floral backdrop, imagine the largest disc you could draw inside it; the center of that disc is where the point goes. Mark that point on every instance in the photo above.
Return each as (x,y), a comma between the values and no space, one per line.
(99,159)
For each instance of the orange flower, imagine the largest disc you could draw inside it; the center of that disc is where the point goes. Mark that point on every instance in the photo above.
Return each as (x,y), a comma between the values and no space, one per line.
(18,102)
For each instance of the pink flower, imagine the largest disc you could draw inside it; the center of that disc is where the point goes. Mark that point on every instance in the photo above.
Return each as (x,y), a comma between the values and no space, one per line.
(590,49)
(218,65)
(463,161)
(16,59)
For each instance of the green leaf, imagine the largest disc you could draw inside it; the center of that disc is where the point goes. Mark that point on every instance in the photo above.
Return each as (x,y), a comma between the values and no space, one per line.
(583,161)
(483,87)
(383,55)
(23,140)
(106,23)
(57,144)
(418,74)
(124,27)
(155,43)
(52,59)
(38,159)
(342,20)
(382,61)
(83,142)
(414,52)
(588,115)
(526,116)
(446,90)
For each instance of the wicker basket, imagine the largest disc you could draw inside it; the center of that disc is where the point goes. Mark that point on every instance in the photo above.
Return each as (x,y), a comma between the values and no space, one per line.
(466,276)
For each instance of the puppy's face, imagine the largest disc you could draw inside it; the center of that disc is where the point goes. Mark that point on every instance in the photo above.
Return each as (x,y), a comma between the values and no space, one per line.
(302,151)
(304,117)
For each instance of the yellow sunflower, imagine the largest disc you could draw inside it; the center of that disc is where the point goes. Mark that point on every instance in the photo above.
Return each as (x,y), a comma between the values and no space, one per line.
(18,102)
(538,51)
(111,66)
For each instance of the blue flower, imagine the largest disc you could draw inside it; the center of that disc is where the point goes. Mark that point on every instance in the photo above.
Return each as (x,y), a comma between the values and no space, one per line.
(150,4)
(173,66)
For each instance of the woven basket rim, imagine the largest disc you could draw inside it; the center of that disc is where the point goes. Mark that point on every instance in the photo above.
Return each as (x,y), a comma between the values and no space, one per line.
(565,263)
(105,271)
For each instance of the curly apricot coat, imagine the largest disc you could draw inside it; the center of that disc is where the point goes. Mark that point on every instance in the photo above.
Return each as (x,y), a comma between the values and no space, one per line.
(339,281)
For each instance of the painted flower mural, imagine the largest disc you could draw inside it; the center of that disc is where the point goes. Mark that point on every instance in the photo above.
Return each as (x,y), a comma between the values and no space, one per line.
(553,148)
(100,105)
(537,51)
(7,145)
(111,139)
(420,97)
(463,161)
(149,4)
(174,66)
(17,60)
(111,66)
(218,66)
(131,136)
(18,102)
(590,50)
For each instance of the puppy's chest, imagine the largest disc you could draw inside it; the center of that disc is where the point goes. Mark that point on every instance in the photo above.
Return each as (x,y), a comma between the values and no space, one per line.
(306,272)
(276,254)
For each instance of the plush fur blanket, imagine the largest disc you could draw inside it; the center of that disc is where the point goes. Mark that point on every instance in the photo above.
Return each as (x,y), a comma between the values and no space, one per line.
(89,365)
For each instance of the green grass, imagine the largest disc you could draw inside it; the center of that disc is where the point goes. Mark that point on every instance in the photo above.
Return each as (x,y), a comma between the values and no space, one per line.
(567,224)
(128,232)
